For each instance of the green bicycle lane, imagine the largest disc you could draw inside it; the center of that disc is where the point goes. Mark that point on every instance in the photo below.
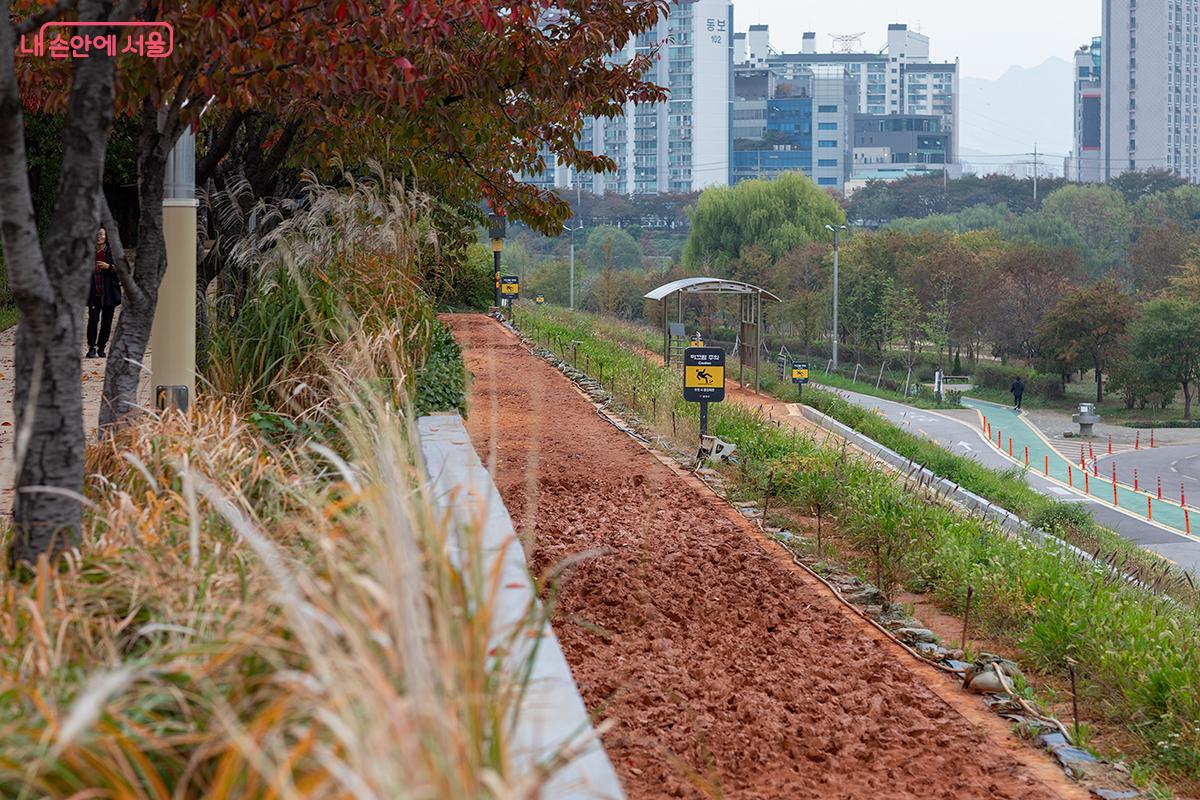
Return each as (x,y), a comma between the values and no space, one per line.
(1005,428)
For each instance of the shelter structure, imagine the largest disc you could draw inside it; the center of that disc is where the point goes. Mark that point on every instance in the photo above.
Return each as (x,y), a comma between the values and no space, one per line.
(751,317)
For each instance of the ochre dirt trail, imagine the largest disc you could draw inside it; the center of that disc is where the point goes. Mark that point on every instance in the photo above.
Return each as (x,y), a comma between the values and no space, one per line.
(719,662)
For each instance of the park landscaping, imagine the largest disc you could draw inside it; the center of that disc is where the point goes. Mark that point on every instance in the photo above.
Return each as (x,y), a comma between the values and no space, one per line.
(1136,645)
(262,604)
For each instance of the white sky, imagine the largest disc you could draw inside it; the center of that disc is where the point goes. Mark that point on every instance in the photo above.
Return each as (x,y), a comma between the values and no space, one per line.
(988,36)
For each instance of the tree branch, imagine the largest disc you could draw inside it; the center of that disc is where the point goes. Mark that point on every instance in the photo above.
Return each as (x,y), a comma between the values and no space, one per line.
(121,263)
(221,146)
(47,15)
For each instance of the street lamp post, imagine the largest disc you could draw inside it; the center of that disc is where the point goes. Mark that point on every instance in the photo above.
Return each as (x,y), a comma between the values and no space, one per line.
(577,227)
(835,230)
(496,223)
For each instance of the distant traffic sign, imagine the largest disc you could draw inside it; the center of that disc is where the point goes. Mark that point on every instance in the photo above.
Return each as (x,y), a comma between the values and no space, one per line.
(696,343)
(539,298)
(704,375)
(799,372)
(510,287)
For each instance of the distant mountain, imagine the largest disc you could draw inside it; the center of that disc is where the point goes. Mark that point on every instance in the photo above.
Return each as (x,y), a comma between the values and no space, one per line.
(1000,120)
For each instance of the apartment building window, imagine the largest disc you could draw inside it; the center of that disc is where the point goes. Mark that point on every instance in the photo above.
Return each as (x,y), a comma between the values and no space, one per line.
(827,143)
(827,126)
(827,162)
(827,181)
(827,109)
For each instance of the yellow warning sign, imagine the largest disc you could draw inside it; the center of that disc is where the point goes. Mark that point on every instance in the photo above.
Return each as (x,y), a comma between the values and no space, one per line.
(800,374)
(703,377)
(696,343)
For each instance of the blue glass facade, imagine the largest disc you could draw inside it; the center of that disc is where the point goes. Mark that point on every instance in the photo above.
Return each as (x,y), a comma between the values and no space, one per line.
(787,145)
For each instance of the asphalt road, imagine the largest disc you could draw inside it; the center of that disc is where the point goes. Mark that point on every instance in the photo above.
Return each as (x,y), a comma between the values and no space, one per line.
(1177,465)
(959,431)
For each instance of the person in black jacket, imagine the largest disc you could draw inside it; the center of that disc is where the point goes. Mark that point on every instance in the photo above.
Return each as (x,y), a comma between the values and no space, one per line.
(1018,391)
(104,295)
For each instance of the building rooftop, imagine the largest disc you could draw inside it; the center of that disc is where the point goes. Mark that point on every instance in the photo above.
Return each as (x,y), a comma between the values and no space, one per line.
(938,67)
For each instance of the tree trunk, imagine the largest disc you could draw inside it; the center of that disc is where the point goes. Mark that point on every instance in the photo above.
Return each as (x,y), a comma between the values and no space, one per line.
(123,372)
(50,284)
(1099,386)
(1187,400)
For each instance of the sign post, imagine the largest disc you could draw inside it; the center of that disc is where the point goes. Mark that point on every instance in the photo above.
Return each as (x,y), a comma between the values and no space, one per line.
(704,379)
(510,290)
(800,377)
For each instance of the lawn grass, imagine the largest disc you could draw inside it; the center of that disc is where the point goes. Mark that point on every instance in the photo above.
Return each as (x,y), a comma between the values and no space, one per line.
(9,316)
(1138,649)
(1112,410)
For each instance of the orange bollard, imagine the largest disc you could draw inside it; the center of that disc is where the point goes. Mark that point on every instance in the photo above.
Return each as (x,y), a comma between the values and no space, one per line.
(1070,476)
(1110,444)
(1010,447)
(1149,508)
(998,432)
(1047,466)
(1114,492)
(1160,487)
(1187,523)
(1091,452)
(1027,456)
(1095,467)
(1137,441)
(1182,498)
(1135,479)
(1087,484)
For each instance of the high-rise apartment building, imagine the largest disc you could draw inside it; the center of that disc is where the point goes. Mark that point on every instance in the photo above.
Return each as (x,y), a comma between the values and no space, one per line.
(1086,163)
(899,80)
(683,144)
(1150,78)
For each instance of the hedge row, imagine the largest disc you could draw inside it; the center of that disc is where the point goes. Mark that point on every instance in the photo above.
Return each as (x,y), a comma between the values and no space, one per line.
(998,376)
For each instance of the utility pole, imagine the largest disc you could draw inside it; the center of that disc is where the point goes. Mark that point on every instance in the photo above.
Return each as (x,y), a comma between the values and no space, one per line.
(1035,172)
(835,231)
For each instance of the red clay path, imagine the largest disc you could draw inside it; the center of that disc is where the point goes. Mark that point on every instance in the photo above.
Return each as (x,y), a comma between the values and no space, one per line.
(727,671)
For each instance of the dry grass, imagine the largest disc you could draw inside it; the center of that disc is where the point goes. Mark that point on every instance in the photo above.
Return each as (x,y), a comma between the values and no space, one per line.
(271,617)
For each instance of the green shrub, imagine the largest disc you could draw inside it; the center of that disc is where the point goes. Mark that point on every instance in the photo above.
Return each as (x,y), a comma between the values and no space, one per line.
(1047,387)
(441,382)
(997,376)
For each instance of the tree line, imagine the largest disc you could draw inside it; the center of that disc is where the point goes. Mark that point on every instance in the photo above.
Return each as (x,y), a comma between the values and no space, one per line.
(1097,279)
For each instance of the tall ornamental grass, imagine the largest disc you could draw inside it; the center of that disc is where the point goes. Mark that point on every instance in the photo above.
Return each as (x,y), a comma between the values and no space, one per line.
(260,616)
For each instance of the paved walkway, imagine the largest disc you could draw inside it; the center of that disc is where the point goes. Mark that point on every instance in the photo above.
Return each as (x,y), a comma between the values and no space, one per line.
(93,383)
(961,431)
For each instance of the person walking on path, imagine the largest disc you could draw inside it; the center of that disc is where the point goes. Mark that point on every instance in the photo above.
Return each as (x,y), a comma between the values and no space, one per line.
(1018,391)
(104,295)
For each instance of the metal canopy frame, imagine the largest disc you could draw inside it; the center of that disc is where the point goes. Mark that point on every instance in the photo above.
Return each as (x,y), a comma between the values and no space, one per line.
(751,316)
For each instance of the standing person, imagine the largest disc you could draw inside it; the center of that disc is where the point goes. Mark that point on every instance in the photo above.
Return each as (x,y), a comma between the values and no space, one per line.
(104,295)
(1018,391)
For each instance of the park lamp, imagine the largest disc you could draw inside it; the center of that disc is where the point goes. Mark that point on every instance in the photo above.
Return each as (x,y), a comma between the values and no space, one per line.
(835,230)
(497,228)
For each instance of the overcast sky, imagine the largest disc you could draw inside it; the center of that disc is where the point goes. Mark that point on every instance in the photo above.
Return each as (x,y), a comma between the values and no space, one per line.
(988,37)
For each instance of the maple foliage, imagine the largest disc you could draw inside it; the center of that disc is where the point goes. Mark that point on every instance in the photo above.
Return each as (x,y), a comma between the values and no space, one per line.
(463,93)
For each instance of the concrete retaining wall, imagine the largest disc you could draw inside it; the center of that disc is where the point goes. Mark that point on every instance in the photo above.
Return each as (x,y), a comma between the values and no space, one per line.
(551,717)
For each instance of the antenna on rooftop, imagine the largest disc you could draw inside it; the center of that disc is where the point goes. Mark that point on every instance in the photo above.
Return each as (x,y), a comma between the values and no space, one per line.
(847,43)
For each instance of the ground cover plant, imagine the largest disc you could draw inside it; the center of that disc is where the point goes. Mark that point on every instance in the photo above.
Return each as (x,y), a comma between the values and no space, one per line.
(1137,645)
